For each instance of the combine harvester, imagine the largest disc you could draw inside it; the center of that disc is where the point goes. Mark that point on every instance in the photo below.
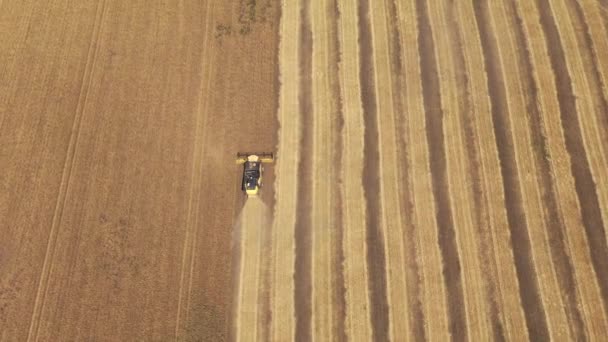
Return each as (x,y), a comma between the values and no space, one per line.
(252,170)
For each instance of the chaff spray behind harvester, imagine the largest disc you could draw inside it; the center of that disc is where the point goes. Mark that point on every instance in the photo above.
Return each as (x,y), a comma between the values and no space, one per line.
(253,169)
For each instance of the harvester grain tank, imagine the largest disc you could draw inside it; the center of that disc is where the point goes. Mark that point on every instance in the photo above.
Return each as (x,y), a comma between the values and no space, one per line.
(252,170)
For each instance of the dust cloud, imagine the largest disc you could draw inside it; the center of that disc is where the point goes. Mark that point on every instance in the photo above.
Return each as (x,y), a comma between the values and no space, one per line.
(249,245)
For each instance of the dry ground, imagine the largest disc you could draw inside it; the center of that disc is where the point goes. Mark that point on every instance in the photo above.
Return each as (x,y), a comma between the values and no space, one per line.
(119,122)
(442,170)
(442,173)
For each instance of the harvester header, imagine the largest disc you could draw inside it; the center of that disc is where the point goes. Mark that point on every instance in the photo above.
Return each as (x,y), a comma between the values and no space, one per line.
(264,157)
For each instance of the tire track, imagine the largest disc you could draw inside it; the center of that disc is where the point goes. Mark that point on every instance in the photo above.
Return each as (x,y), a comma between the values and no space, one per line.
(189,248)
(508,319)
(401,123)
(196,184)
(435,140)
(47,266)
(575,146)
(536,320)
(303,223)
(355,249)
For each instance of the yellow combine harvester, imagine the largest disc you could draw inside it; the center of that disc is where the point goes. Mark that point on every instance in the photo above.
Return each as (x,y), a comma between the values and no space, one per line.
(252,170)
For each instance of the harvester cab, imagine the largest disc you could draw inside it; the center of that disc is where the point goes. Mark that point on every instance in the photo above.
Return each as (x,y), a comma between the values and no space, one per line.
(252,170)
